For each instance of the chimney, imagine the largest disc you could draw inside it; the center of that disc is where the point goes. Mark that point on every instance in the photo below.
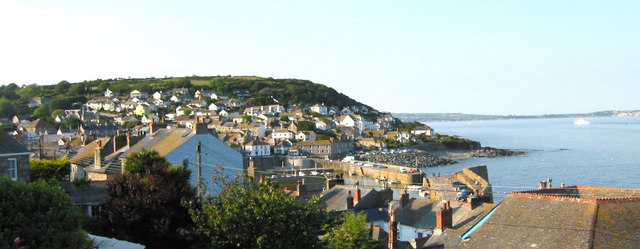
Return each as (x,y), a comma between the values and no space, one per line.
(200,127)
(444,217)
(349,201)
(96,155)
(300,188)
(404,198)
(393,230)
(129,139)
(357,192)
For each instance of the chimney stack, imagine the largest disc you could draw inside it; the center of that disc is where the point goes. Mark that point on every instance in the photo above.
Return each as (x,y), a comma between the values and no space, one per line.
(96,155)
(444,217)
(349,201)
(393,230)
(129,139)
(357,192)
(404,198)
(200,127)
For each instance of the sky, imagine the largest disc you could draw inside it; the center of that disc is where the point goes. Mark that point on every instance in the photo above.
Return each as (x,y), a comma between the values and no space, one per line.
(477,57)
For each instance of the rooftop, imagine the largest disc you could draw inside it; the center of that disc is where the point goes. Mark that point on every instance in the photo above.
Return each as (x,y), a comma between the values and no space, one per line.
(574,217)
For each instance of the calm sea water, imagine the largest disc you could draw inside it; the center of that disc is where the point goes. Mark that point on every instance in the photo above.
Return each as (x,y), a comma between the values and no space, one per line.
(603,153)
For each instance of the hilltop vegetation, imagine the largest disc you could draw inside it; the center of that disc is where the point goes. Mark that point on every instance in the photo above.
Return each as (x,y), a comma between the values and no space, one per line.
(14,99)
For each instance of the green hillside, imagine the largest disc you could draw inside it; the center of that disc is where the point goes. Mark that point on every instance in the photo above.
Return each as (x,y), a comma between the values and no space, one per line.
(65,95)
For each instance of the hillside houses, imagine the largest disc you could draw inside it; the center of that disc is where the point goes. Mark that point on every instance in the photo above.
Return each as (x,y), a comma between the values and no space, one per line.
(304,128)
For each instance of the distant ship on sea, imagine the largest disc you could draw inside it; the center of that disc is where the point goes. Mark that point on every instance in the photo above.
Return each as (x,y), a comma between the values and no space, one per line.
(581,121)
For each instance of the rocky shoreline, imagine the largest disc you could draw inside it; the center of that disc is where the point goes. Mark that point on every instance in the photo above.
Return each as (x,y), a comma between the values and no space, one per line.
(423,159)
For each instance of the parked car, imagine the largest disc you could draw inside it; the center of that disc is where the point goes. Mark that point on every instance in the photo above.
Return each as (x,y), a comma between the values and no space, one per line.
(403,170)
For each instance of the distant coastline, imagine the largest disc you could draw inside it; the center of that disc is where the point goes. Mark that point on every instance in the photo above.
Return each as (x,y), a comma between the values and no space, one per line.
(443,117)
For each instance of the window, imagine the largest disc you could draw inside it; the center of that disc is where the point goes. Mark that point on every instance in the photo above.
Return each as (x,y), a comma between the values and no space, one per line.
(13,168)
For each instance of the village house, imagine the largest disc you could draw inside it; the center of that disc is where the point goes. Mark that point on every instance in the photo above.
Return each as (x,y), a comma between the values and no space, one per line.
(428,131)
(178,91)
(216,107)
(199,94)
(322,125)
(257,148)
(39,127)
(266,109)
(252,129)
(14,159)
(329,149)
(346,111)
(197,103)
(282,134)
(109,93)
(242,93)
(22,119)
(306,136)
(100,130)
(320,108)
(103,158)
(38,101)
(159,95)
(368,142)
(282,147)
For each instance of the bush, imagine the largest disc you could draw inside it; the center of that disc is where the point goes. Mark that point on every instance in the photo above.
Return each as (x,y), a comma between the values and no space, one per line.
(49,170)
(40,215)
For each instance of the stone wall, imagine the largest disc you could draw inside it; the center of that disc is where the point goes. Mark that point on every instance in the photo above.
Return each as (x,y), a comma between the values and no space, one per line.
(391,172)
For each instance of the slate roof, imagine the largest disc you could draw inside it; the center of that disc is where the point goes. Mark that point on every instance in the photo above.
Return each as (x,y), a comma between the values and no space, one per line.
(39,124)
(335,199)
(9,145)
(94,194)
(572,217)
(179,144)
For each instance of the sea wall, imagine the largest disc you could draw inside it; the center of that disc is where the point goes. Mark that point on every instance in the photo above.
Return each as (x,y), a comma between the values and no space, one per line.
(391,172)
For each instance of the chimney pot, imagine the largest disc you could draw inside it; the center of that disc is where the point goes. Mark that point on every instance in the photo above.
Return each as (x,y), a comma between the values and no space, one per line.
(349,201)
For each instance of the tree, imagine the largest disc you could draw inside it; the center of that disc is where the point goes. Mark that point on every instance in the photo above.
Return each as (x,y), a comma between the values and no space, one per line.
(247,214)
(246,119)
(78,88)
(40,215)
(130,124)
(42,111)
(62,87)
(306,126)
(6,108)
(144,204)
(49,170)
(57,112)
(72,122)
(351,233)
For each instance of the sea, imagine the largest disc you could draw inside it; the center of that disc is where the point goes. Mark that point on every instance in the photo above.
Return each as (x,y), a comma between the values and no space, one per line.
(605,152)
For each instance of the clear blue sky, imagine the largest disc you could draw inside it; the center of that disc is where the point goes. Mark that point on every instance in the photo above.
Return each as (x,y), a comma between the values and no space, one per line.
(484,57)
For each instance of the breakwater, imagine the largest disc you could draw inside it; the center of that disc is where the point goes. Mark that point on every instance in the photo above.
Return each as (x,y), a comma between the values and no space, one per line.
(419,159)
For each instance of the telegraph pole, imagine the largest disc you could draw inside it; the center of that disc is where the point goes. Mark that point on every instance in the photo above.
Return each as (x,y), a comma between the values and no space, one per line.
(199,170)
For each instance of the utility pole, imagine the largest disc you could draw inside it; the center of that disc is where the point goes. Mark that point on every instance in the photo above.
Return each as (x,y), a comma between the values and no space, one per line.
(199,170)
(40,146)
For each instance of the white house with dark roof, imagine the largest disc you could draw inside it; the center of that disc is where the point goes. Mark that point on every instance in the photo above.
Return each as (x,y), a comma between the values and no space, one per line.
(320,108)
(257,148)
